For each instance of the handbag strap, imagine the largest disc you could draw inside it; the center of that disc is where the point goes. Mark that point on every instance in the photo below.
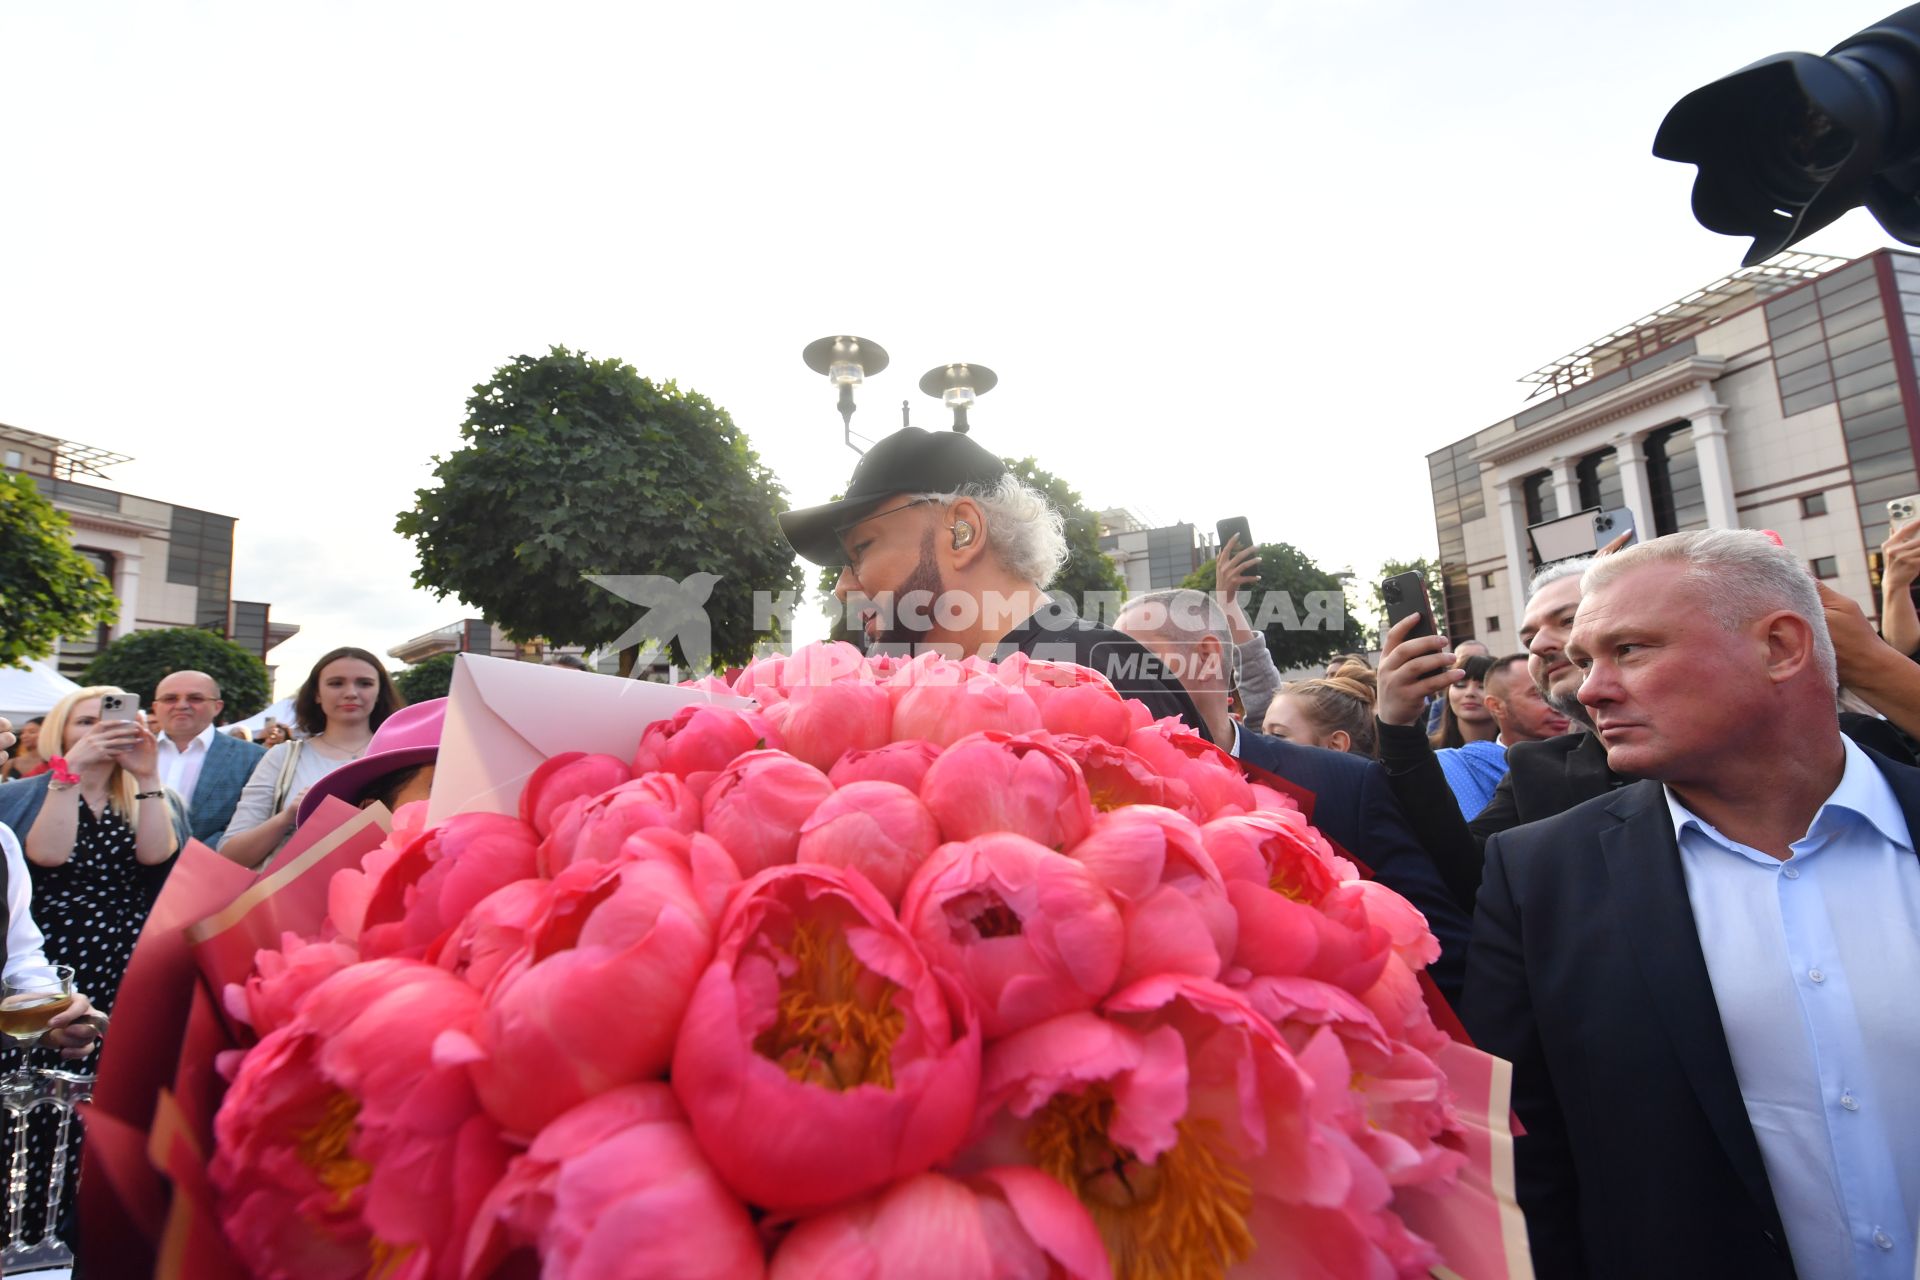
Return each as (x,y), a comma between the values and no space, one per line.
(285,782)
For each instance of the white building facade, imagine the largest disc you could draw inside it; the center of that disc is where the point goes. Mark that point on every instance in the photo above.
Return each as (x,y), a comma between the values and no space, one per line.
(1783,397)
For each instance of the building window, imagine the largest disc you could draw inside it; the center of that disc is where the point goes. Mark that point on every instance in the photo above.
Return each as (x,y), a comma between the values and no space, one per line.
(1537,492)
(1825,567)
(1598,478)
(1493,622)
(14,459)
(1486,580)
(1814,504)
(1673,474)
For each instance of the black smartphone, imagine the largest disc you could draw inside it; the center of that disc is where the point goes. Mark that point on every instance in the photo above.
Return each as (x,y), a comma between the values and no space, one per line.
(1229,527)
(1405,594)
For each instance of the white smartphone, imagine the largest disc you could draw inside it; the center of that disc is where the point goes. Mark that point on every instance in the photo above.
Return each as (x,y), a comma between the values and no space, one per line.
(123,707)
(1901,510)
(1609,525)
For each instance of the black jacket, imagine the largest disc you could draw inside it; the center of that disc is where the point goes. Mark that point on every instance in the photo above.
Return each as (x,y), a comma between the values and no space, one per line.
(1353,805)
(1586,973)
(1055,633)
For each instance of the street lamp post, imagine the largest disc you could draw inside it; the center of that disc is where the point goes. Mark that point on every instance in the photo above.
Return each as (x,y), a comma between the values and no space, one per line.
(848,361)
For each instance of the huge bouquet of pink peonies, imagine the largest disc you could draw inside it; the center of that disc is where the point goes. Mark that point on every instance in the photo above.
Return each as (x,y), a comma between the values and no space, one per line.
(929,969)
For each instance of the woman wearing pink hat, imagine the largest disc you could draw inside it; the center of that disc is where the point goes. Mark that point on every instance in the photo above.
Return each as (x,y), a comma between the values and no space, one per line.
(343,702)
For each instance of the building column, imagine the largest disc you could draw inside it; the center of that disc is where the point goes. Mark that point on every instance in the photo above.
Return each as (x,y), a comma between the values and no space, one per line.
(1513,532)
(1716,468)
(1636,489)
(1566,487)
(126,585)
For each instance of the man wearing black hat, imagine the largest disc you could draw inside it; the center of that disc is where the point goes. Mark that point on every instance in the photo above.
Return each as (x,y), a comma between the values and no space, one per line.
(940,547)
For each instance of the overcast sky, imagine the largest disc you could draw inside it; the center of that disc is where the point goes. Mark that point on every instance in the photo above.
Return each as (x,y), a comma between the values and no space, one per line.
(1226,258)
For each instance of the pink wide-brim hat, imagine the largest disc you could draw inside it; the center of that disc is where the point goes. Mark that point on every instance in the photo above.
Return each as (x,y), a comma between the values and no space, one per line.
(408,737)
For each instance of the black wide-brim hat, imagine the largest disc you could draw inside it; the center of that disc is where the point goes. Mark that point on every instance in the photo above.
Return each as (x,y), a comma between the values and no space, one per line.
(908,461)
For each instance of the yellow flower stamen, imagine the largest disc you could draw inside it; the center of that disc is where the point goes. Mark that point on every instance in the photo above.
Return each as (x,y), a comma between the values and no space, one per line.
(837,1024)
(1183,1217)
(324,1148)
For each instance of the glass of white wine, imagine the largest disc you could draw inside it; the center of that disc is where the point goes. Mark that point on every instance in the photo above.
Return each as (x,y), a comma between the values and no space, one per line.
(29,1002)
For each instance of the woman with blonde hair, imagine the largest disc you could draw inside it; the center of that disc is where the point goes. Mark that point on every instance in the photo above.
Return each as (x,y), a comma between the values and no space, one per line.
(97,829)
(91,826)
(1335,713)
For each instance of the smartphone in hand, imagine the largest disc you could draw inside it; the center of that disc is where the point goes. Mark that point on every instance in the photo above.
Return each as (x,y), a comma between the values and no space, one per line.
(1234,525)
(1405,594)
(122,708)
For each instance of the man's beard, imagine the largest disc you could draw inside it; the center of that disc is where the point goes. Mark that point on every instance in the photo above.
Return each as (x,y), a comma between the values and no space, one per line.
(1572,708)
(900,636)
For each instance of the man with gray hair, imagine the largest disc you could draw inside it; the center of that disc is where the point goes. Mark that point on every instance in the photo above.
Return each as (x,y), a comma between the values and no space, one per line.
(941,548)
(1352,802)
(1703,980)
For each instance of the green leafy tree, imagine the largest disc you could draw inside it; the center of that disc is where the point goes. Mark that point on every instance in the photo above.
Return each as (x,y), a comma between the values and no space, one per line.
(138,661)
(47,589)
(424,681)
(573,467)
(1088,572)
(1300,606)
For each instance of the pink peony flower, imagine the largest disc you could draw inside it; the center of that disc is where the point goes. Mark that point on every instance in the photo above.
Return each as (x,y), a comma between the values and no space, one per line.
(596,999)
(1278,849)
(281,980)
(987,783)
(876,828)
(942,702)
(571,775)
(493,932)
(1029,933)
(615,1187)
(1072,699)
(592,828)
(1280,936)
(1198,1139)
(757,805)
(1001,1224)
(440,877)
(697,742)
(342,1148)
(774,679)
(1172,900)
(1117,777)
(1174,751)
(822,1057)
(905,763)
(821,722)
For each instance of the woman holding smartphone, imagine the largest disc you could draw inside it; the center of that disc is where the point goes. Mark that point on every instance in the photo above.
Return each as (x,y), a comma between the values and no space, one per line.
(88,826)
(346,696)
(93,827)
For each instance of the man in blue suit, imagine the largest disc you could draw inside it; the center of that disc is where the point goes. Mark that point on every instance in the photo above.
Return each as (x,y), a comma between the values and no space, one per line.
(204,767)
(1353,802)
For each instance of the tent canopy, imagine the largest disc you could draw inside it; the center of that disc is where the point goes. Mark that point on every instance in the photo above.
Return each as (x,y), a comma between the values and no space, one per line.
(31,690)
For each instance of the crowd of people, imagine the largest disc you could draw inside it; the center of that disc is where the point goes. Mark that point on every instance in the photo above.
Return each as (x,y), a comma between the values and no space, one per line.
(1673,881)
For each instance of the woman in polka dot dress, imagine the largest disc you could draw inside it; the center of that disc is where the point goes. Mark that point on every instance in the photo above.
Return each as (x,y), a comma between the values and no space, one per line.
(103,816)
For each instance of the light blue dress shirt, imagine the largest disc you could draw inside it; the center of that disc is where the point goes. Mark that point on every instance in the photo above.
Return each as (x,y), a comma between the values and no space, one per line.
(1815,965)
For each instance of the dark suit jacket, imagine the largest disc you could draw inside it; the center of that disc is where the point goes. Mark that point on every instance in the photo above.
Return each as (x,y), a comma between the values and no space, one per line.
(1353,806)
(1586,973)
(223,775)
(1057,634)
